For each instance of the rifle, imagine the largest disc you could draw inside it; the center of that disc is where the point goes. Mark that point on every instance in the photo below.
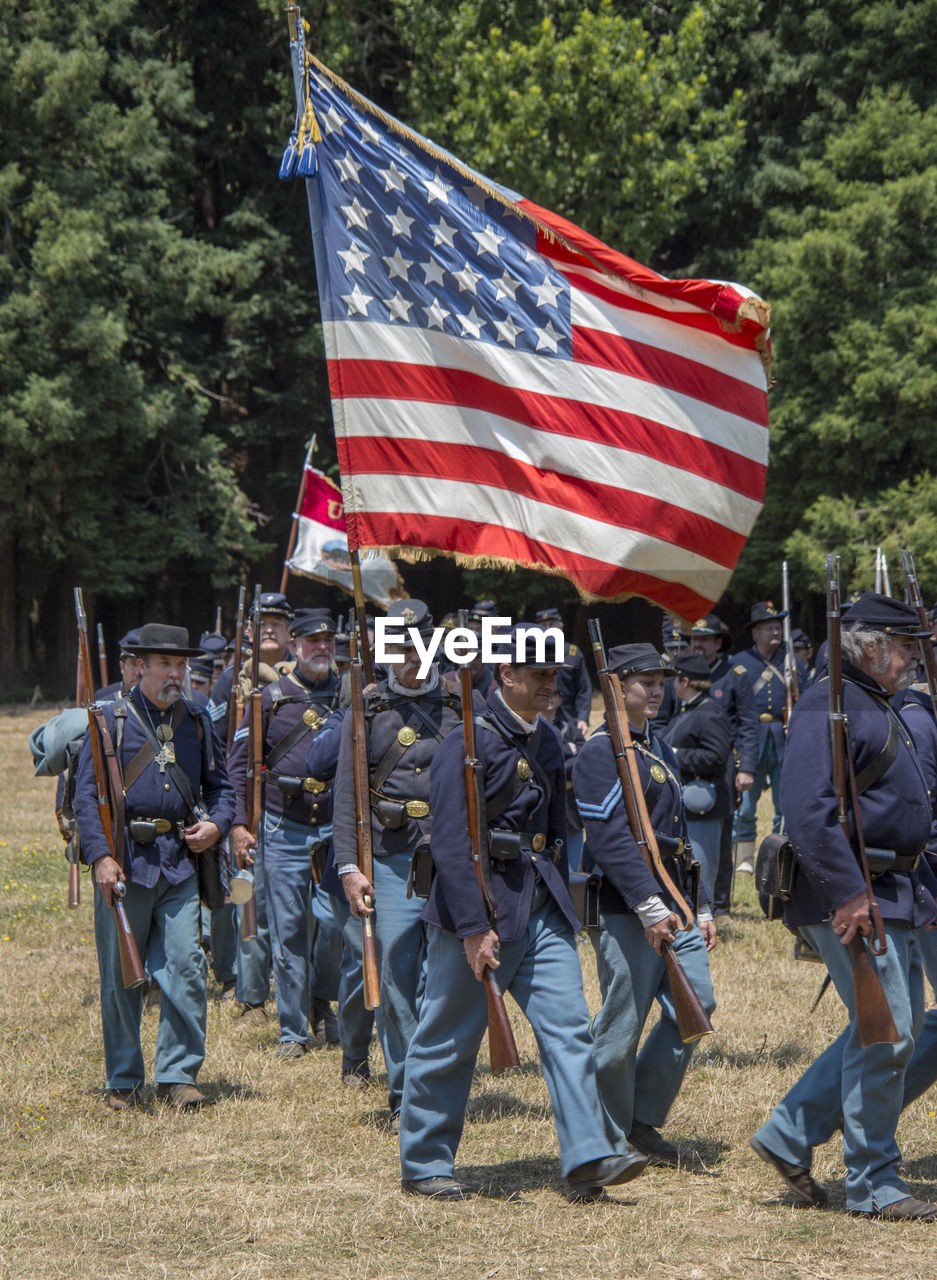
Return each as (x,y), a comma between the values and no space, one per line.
(692,1019)
(218,620)
(791,691)
(102,657)
(101,745)
(928,660)
(502,1048)
(874,1021)
(253,798)
(238,656)
(372,988)
(878,570)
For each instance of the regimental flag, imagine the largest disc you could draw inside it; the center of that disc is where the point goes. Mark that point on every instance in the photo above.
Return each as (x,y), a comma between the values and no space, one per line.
(321,549)
(509,390)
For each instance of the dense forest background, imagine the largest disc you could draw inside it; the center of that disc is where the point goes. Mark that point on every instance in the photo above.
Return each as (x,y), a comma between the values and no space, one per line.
(161,364)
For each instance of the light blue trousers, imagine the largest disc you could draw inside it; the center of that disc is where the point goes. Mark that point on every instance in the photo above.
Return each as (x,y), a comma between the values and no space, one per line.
(767,772)
(355,1022)
(706,837)
(400,942)
(542,972)
(164,921)
(253,958)
(632,976)
(863,1086)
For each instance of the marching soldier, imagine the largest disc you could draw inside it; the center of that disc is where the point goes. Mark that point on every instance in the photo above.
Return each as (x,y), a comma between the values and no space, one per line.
(296,817)
(572,679)
(407,719)
(764,662)
(128,669)
(637,914)
(159,738)
(830,906)
(533,951)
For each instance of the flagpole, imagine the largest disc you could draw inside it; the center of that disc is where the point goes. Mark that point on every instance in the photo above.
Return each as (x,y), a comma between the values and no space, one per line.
(291,545)
(362,619)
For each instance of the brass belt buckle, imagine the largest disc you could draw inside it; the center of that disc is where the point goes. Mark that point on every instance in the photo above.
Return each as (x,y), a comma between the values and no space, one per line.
(538,842)
(765,717)
(417,809)
(163,825)
(314,785)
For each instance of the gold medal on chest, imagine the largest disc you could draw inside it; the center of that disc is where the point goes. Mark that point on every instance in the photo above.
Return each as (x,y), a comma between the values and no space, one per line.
(311,718)
(406,736)
(658,773)
(164,732)
(523,770)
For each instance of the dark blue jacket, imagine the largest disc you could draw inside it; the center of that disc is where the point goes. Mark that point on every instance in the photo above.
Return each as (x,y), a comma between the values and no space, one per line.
(154,795)
(770,693)
(896,808)
(574,685)
(283,705)
(455,901)
(610,845)
(731,689)
(700,736)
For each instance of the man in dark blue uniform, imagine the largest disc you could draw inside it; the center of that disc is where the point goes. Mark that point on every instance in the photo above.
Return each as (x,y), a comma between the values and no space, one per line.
(637,913)
(533,950)
(128,669)
(572,679)
(700,736)
(732,689)
(764,662)
(296,817)
(829,906)
(154,732)
(407,720)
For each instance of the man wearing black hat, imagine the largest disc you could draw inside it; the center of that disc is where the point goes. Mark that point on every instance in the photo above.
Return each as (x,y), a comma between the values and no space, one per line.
(829,906)
(215,646)
(407,720)
(764,662)
(572,679)
(533,951)
(296,819)
(700,736)
(164,746)
(638,913)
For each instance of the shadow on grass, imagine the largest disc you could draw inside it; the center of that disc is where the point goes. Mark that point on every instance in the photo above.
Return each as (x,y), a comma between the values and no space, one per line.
(220,1090)
(509,1181)
(495,1106)
(701,1157)
(784,1054)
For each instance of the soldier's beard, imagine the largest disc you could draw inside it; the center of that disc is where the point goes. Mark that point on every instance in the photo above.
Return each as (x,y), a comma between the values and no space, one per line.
(170,692)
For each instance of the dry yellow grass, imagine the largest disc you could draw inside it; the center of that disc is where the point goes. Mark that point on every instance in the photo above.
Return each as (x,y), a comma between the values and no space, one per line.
(286,1174)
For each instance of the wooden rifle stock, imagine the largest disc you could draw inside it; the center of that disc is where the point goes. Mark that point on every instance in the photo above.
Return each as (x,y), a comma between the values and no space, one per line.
(502,1047)
(874,1021)
(372,985)
(102,657)
(74,885)
(692,1019)
(130,963)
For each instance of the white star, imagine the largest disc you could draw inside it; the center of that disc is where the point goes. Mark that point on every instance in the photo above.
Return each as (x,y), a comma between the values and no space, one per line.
(505,287)
(436,189)
(355,215)
(435,315)
(475,194)
(393,178)
(547,293)
(400,223)
(466,278)
(357,301)
(442,232)
(397,265)
(508,331)
(368,131)
(531,255)
(471,324)
(354,258)
(548,337)
(432,272)
(398,307)
(331,122)
(348,167)
(488,240)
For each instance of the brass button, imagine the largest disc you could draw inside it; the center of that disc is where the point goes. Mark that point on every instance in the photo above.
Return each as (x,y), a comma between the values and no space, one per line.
(533,857)
(418,769)
(166,786)
(406,736)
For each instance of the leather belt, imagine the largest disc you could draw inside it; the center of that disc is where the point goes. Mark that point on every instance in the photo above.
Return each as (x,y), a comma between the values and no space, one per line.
(163,825)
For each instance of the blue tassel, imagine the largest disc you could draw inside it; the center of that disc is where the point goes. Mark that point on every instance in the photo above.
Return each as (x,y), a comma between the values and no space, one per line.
(290,158)
(307,164)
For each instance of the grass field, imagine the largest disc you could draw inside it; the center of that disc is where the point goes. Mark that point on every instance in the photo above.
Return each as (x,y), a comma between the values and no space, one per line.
(285,1174)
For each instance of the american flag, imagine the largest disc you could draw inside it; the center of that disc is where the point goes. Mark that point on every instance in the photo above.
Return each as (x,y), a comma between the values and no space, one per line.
(509,390)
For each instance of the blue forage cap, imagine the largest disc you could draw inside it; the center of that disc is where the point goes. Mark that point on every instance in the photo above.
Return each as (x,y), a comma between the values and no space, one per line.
(412,613)
(213,642)
(274,602)
(482,609)
(545,616)
(692,665)
(874,612)
(630,659)
(309,622)
(127,641)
